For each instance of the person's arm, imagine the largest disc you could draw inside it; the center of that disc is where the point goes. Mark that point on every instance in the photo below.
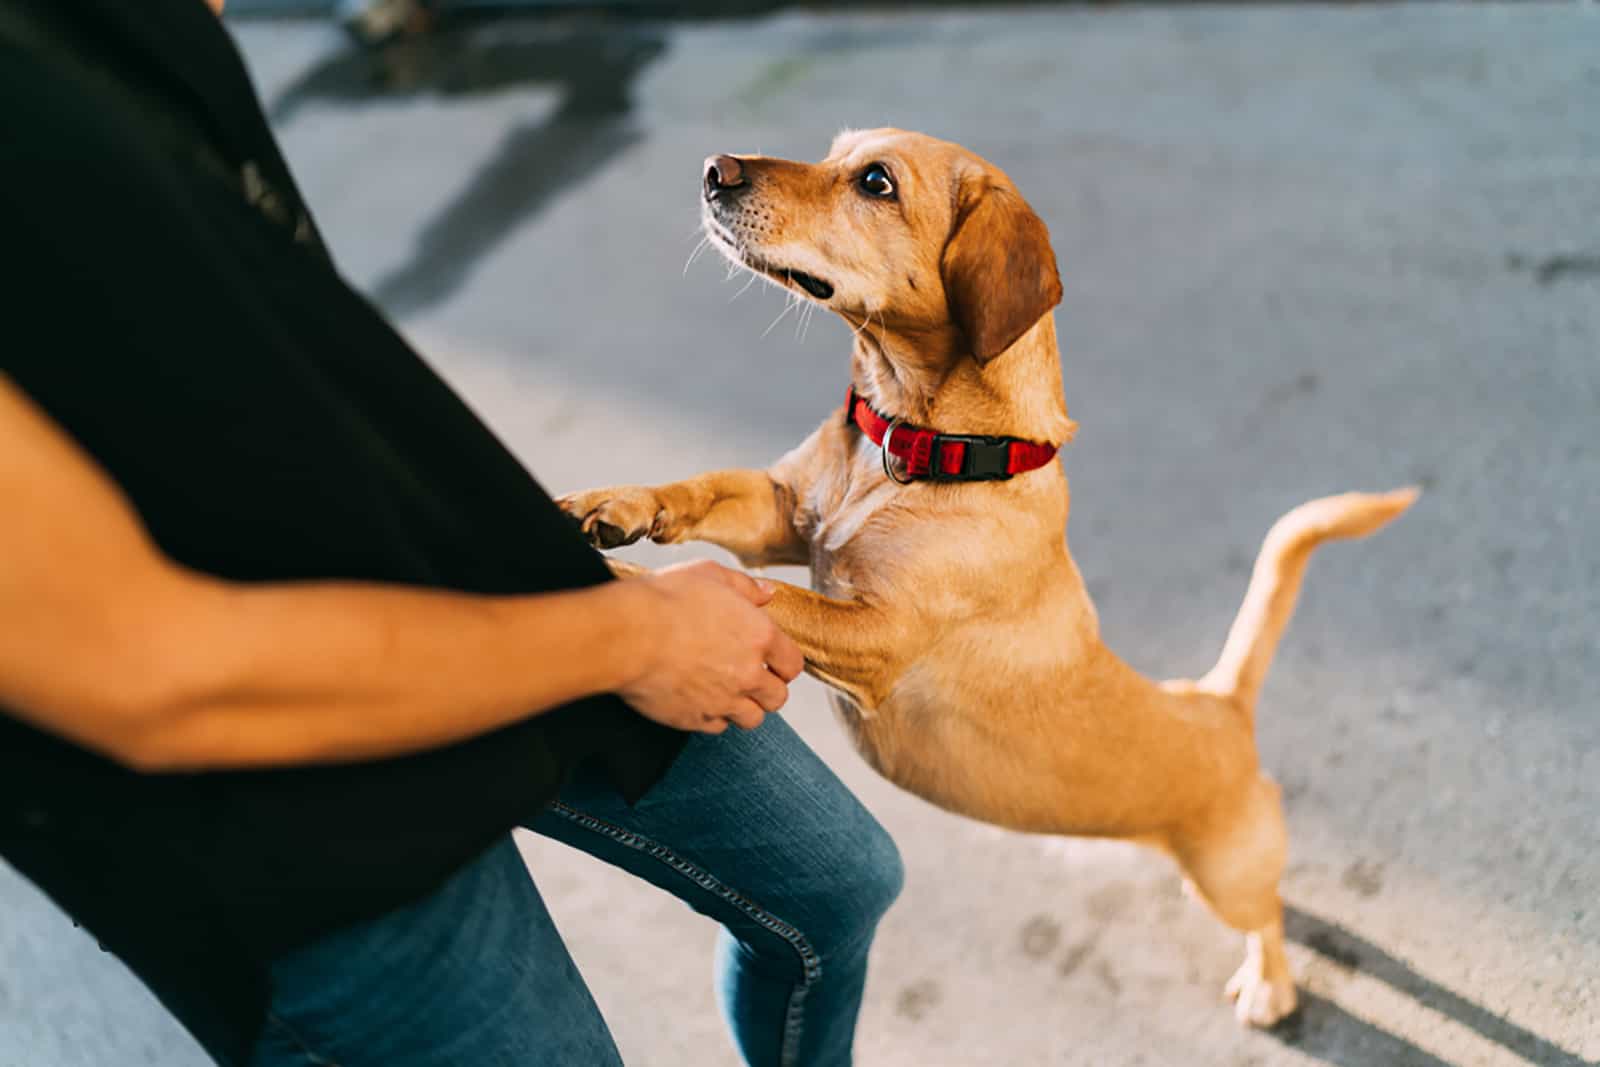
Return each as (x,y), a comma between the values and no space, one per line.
(105,641)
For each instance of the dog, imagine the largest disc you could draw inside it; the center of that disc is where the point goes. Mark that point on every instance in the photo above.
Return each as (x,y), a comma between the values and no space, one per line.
(946,613)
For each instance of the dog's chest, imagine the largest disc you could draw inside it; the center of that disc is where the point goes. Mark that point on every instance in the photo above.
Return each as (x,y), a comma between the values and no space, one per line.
(839,503)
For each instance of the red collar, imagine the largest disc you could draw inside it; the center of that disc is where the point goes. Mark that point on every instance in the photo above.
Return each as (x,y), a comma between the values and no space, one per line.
(944,457)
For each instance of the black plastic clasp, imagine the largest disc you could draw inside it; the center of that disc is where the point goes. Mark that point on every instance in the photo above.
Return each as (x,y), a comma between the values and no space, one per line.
(985,459)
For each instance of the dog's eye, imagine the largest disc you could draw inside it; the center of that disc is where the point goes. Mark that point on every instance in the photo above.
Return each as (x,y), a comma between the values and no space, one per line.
(875,181)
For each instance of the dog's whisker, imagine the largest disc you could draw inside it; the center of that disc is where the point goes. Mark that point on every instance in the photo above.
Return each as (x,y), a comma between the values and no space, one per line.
(781,315)
(744,288)
(705,242)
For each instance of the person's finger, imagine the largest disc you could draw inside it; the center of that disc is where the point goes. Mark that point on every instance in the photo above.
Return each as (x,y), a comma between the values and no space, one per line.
(713,724)
(748,716)
(768,690)
(784,657)
(757,592)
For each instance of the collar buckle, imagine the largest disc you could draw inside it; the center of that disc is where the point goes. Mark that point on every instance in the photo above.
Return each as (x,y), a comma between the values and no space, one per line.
(986,458)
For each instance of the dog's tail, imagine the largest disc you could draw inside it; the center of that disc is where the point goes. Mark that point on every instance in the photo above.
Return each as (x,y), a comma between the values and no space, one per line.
(1275,583)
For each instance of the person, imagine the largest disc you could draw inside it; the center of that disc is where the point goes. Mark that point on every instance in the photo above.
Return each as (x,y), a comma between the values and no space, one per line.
(376,22)
(289,642)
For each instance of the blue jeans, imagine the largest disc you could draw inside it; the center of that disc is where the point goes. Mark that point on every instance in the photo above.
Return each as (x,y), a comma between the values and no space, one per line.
(750,829)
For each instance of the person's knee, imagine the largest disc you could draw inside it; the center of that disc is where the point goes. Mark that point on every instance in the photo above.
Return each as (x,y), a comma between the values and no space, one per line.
(867,884)
(887,872)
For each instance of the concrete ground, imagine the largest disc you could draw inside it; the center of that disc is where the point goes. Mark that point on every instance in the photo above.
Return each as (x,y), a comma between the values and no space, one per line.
(1305,249)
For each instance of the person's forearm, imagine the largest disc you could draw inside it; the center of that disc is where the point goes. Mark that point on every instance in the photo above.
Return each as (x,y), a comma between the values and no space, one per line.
(256,675)
(108,643)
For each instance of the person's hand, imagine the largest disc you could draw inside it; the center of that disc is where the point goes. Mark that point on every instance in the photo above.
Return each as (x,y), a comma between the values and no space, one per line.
(711,656)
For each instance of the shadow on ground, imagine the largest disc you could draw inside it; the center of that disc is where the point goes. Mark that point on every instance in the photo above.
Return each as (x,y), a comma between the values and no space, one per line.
(594,67)
(1323,1029)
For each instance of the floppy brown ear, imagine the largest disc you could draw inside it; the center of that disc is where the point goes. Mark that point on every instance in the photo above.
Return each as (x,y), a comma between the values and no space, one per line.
(999,272)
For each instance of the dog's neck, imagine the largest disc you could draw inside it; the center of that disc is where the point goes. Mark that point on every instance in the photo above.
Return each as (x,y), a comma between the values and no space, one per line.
(927,381)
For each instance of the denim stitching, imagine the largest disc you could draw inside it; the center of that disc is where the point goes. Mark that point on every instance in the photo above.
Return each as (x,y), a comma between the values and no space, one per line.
(810,961)
(793,1022)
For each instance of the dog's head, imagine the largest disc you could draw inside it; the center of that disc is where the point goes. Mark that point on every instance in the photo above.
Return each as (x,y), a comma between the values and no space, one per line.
(915,234)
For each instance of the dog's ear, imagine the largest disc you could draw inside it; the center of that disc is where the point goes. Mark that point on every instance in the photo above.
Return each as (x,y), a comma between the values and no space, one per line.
(999,272)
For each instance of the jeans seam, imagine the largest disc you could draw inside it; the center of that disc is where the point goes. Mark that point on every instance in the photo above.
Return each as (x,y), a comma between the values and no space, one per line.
(811,963)
(315,1058)
(793,1026)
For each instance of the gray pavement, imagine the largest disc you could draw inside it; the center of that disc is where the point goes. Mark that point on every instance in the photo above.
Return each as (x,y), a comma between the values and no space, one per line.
(1305,249)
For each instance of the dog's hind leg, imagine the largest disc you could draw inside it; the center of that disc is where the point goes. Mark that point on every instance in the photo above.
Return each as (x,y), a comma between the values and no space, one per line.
(1233,860)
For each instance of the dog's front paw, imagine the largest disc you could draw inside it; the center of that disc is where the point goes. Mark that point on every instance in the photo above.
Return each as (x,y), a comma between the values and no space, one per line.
(610,518)
(1260,999)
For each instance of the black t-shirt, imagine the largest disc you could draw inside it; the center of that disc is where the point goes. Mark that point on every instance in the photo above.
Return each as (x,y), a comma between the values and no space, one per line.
(170,306)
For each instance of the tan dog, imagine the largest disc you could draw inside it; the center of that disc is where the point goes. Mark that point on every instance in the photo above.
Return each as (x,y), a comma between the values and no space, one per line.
(948,615)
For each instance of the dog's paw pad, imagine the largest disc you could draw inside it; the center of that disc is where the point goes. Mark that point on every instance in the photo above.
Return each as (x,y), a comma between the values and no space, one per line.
(611,518)
(605,535)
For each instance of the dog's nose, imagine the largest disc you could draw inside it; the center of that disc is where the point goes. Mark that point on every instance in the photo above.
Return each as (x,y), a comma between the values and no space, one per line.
(722,173)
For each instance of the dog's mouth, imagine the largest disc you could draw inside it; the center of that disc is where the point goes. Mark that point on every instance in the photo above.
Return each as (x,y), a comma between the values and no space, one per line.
(816,287)
(810,283)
